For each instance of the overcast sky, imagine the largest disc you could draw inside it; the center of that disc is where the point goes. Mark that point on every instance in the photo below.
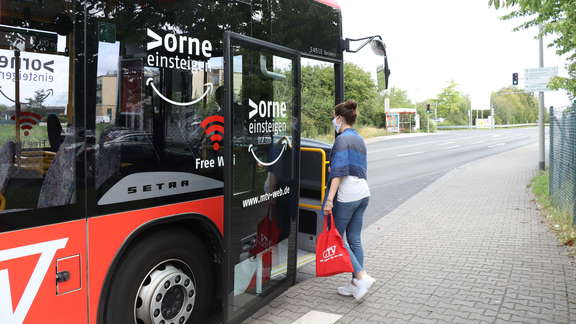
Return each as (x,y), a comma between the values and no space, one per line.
(432,42)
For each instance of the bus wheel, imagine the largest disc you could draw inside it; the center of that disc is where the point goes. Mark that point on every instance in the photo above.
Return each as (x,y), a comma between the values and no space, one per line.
(163,279)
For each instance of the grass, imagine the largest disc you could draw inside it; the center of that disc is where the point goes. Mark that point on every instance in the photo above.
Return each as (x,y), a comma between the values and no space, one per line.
(364,131)
(38,135)
(559,221)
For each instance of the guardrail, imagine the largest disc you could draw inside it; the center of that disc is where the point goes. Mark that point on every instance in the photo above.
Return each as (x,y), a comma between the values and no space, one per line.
(322,177)
(495,126)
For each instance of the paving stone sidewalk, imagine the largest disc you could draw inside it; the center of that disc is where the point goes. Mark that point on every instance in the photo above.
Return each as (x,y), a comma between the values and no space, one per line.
(470,248)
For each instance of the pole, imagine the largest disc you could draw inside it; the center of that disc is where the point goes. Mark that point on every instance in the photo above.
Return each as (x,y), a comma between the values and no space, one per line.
(493,116)
(542,149)
(17,107)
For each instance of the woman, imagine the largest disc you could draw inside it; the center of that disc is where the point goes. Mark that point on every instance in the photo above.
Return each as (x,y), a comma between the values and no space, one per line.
(349,193)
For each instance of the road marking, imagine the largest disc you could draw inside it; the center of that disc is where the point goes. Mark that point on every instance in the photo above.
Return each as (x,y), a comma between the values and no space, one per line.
(409,154)
(476,143)
(399,147)
(316,317)
(496,145)
(452,147)
(446,143)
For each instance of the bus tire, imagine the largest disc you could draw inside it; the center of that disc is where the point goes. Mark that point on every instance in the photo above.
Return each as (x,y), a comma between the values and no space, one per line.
(164,278)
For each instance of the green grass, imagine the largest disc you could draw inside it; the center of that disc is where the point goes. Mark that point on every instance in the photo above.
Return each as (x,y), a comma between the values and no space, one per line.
(559,221)
(37,137)
(364,131)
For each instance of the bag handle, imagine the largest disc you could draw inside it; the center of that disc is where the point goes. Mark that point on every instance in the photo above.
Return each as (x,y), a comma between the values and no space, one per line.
(325,229)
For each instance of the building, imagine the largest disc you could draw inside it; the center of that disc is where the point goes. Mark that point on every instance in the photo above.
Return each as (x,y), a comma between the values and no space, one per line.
(106,98)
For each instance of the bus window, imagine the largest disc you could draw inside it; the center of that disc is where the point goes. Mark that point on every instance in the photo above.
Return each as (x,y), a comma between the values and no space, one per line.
(159,100)
(38,142)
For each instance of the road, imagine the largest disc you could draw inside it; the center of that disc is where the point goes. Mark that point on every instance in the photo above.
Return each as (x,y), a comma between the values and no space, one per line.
(400,168)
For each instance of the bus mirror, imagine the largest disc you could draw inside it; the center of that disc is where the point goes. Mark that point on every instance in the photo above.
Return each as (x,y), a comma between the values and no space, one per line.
(378,47)
(386,72)
(383,74)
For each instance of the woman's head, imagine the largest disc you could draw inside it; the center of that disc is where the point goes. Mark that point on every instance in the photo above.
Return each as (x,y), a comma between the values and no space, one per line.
(347,112)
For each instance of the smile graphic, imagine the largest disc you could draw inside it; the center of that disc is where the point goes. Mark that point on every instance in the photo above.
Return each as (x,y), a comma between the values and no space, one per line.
(285,143)
(49,93)
(150,82)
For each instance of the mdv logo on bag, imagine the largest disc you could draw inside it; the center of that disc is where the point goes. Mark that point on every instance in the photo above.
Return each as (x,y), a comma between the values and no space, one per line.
(47,250)
(329,252)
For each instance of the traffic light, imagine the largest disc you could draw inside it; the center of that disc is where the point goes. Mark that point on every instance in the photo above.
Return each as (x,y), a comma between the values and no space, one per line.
(428,109)
(514,78)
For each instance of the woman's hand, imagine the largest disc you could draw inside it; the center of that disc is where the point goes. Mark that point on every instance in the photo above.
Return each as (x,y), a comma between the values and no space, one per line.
(328,207)
(334,184)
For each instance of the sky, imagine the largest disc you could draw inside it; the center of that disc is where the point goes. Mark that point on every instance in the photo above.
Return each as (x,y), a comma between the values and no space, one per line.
(430,43)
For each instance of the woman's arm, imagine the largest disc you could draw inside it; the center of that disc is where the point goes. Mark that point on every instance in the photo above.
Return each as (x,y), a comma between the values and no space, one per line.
(331,194)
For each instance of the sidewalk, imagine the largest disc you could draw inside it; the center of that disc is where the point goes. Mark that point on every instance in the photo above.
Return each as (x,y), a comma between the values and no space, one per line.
(470,248)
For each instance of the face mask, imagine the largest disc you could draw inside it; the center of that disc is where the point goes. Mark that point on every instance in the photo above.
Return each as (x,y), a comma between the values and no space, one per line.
(336,125)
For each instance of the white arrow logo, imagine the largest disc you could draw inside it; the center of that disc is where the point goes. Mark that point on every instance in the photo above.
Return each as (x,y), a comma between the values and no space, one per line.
(47,251)
(150,82)
(254,107)
(157,39)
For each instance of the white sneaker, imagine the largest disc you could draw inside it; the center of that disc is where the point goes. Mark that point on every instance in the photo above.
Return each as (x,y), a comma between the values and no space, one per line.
(370,279)
(346,290)
(361,287)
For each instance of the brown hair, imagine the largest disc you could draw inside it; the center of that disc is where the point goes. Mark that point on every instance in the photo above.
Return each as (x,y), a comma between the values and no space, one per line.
(348,111)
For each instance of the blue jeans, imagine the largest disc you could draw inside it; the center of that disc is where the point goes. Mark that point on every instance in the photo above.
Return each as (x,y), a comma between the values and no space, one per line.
(348,218)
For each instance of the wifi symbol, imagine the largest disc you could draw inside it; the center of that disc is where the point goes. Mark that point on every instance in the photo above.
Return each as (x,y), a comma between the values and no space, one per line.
(216,123)
(28,120)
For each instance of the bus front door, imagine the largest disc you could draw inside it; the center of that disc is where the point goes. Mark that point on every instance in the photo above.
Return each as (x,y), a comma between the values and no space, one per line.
(262,139)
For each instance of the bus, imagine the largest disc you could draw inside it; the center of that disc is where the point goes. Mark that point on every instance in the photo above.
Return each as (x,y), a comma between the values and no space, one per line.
(150,155)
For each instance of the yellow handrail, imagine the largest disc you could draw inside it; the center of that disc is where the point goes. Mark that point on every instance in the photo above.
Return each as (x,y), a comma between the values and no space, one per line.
(322,178)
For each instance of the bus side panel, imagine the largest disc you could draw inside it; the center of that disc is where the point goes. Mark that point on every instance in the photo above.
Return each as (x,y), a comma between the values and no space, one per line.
(28,264)
(107,234)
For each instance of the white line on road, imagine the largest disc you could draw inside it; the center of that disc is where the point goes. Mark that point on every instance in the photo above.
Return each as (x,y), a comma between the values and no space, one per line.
(446,143)
(496,145)
(452,147)
(409,154)
(476,143)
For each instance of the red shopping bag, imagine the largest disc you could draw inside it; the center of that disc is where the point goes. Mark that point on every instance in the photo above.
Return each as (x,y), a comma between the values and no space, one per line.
(267,235)
(332,257)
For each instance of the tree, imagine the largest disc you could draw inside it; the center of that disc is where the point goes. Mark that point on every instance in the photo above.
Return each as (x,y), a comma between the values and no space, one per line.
(399,98)
(514,106)
(359,86)
(318,97)
(453,105)
(37,100)
(558,18)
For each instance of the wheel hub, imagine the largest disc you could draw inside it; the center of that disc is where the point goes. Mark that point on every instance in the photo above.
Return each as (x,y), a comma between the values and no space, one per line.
(166,296)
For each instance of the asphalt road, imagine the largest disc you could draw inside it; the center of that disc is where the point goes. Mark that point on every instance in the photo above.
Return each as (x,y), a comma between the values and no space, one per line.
(400,168)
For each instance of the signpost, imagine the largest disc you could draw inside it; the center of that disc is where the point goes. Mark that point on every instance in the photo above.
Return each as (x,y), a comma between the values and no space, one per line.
(537,79)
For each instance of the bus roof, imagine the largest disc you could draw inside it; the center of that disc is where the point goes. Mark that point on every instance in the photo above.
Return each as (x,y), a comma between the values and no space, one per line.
(331,3)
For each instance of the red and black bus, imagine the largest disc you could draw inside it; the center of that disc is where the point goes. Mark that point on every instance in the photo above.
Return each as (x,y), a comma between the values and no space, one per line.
(150,155)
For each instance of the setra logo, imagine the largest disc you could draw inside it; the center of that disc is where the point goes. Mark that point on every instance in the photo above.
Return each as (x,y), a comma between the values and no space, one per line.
(329,252)
(47,250)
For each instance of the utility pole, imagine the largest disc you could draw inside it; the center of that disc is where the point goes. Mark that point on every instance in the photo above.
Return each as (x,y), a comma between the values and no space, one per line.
(542,149)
